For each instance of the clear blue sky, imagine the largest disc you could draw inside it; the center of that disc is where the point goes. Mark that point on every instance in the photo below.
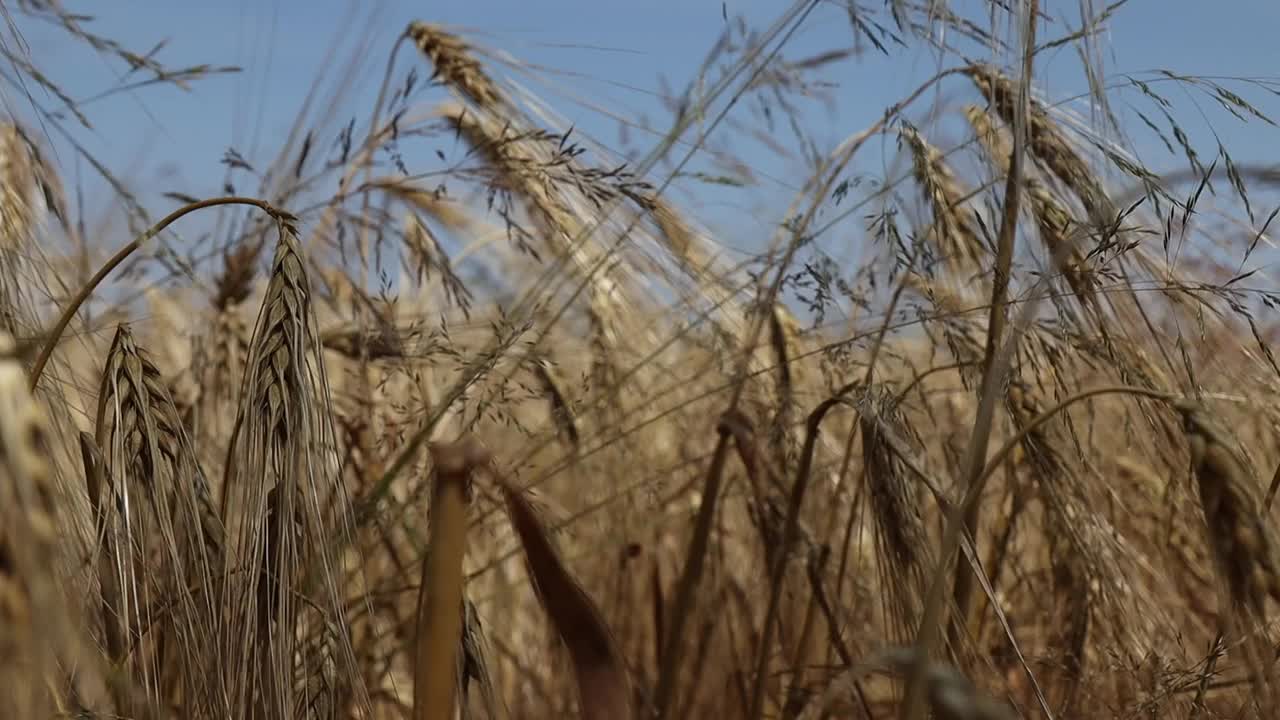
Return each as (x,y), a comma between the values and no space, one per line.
(164,139)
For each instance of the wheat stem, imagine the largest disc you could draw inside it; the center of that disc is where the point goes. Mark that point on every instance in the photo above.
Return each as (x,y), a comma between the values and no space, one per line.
(51,340)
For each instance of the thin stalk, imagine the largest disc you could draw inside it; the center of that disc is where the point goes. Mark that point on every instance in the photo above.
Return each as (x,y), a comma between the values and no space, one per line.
(998,314)
(788,536)
(440,600)
(692,574)
(51,340)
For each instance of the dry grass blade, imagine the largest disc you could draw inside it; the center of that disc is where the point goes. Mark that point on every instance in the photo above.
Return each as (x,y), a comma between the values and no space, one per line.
(691,574)
(603,686)
(790,531)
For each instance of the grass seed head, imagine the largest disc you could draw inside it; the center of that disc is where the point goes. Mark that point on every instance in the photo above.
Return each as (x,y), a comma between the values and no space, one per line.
(451,57)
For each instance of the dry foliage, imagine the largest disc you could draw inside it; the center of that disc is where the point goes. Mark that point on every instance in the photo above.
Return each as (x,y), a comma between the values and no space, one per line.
(1006,458)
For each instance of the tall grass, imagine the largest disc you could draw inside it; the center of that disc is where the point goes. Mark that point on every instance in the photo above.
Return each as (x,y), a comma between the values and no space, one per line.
(511,437)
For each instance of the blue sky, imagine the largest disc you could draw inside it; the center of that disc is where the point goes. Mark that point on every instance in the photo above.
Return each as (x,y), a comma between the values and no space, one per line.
(162,139)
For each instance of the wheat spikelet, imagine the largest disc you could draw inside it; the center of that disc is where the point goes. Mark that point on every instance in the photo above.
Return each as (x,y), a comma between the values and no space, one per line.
(1243,549)
(1047,144)
(29,187)
(162,534)
(520,157)
(1050,147)
(230,346)
(29,182)
(959,243)
(563,195)
(475,665)
(217,364)
(35,623)
(448,212)
(679,238)
(782,341)
(320,687)
(517,160)
(1074,567)
(688,247)
(451,57)
(238,272)
(1092,554)
(963,331)
(1052,220)
(290,508)
(901,540)
(139,423)
(1240,539)
(428,257)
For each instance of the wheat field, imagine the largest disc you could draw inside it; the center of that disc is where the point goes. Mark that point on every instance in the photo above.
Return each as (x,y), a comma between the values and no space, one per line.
(511,435)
